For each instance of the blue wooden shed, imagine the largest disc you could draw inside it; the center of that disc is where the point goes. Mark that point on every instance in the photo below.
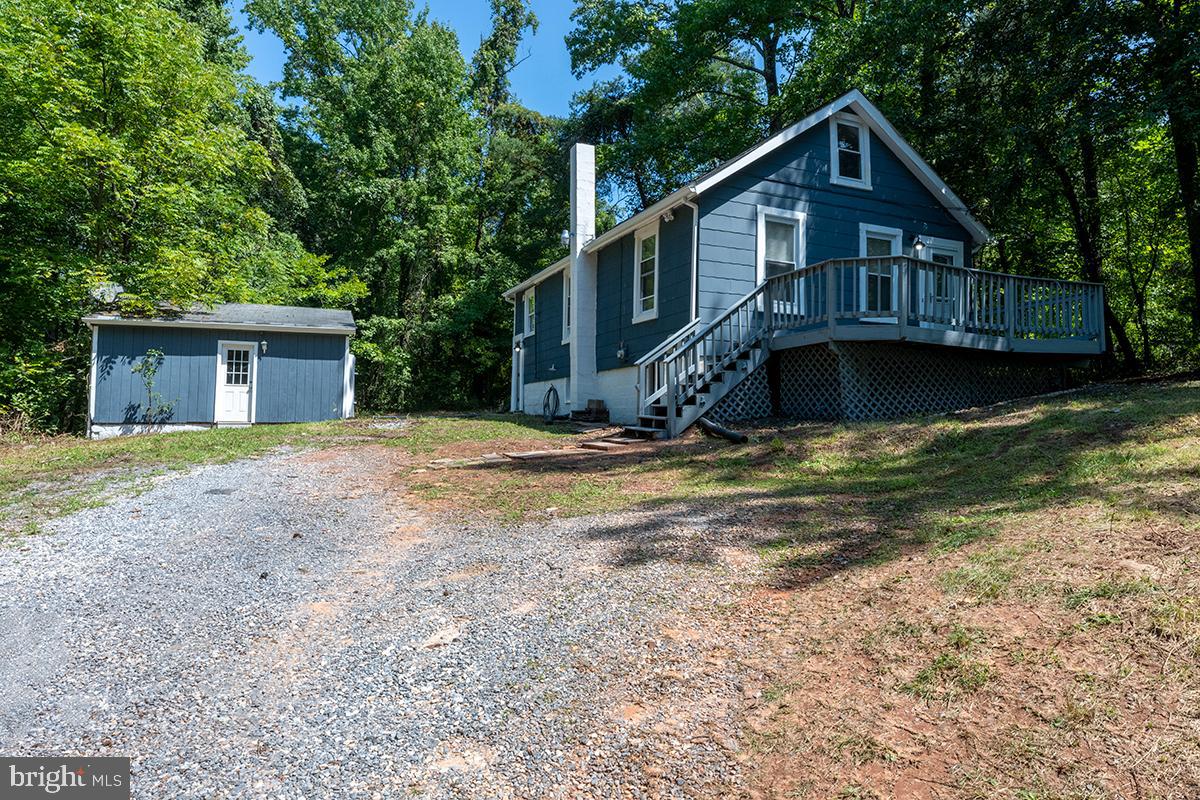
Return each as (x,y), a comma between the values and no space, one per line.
(234,364)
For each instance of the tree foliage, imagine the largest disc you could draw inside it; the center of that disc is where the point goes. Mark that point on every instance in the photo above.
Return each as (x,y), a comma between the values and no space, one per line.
(424,178)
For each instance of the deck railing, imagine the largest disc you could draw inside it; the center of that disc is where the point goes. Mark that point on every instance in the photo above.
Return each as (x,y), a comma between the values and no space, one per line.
(923,294)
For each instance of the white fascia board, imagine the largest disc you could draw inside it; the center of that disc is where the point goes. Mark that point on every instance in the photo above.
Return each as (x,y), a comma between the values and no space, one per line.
(562,263)
(918,166)
(225,326)
(642,218)
(857,102)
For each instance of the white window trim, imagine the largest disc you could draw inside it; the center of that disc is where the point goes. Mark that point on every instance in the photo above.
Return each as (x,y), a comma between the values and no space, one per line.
(566,306)
(878,232)
(530,320)
(864,143)
(766,213)
(221,345)
(933,242)
(638,314)
(782,215)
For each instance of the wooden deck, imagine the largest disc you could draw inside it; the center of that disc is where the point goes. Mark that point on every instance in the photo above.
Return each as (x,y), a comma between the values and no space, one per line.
(880,299)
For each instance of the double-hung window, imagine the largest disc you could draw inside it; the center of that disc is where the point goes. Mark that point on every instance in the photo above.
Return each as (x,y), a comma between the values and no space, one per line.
(530,310)
(850,152)
(780,256)
(645,274)
(781,250)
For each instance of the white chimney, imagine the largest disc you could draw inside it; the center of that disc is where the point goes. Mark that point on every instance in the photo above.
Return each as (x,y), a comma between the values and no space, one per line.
(583,275)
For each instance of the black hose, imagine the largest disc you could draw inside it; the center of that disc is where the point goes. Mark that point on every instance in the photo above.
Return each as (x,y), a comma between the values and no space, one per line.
(550,405)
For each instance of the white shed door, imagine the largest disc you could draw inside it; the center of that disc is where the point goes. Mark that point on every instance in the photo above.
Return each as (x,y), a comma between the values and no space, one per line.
(235,371)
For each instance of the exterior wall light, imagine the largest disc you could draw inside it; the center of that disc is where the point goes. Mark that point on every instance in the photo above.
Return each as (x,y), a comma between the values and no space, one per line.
(262,347)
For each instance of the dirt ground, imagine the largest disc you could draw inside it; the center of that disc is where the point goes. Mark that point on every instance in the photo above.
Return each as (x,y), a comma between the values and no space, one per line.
(1033,634)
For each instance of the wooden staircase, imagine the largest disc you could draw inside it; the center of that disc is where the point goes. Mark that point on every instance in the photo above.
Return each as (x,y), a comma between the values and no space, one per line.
(690,373)
(703,395)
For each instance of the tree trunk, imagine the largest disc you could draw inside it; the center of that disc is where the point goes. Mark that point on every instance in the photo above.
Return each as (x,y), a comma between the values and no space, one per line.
(1189,192)
(1085,223)
(1177,95)
(770,72)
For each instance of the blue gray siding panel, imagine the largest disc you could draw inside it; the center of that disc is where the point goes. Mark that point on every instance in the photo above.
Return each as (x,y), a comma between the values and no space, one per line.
(546,357)
(614,293)
(796,177)
(300,377)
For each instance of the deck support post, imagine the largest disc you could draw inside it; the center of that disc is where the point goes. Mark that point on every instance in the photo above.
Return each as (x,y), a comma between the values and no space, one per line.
(672,385)
(831,290)
(1010,309)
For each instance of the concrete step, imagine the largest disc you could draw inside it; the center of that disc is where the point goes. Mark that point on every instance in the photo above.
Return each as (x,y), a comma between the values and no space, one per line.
(604,445)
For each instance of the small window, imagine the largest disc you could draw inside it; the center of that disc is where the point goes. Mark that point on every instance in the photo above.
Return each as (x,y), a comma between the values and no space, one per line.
(566,305)
(850,154)
(645,294)
(237,367)
(530,310)
(877,280)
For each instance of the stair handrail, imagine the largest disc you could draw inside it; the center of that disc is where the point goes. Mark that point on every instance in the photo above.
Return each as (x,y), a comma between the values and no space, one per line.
(687,367)
(650,361)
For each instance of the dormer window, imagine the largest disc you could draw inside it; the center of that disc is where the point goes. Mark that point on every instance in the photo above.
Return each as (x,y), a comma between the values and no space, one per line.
(850,152)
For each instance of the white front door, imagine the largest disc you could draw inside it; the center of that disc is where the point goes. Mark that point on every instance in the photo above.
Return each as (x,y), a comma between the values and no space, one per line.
(235,381)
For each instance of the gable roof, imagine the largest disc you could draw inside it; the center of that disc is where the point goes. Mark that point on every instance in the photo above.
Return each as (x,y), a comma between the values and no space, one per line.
(538,277)
(853,100)
(243,316)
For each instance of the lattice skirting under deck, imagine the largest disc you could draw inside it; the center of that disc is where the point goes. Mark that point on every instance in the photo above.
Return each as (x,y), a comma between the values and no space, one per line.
(871,380)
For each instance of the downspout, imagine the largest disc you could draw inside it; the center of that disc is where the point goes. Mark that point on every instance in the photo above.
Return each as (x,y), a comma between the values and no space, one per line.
(695,257)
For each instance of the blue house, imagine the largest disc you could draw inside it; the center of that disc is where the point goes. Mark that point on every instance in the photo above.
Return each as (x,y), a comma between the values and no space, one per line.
(824,273)
(234,364)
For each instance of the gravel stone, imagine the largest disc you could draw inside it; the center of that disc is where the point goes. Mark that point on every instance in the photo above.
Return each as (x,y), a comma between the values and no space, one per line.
(290,627)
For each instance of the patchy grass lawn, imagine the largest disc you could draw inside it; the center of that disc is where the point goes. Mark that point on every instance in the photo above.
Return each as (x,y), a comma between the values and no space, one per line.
(46,477)
(1001,603)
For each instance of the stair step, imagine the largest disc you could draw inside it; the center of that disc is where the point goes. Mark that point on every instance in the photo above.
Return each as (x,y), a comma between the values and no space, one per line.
(643,432)
(653,421)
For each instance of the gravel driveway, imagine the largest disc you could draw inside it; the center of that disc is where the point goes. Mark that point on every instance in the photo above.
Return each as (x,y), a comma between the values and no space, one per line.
(290,627)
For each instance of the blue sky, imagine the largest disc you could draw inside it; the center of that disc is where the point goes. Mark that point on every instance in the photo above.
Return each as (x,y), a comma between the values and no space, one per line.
(542,81)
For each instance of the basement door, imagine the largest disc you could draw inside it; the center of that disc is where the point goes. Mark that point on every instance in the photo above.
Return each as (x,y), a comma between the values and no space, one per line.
(236,370)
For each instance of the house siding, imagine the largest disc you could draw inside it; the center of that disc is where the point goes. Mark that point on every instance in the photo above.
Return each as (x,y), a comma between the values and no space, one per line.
(614,293)
(546,357)
(300,377)
(796,177)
